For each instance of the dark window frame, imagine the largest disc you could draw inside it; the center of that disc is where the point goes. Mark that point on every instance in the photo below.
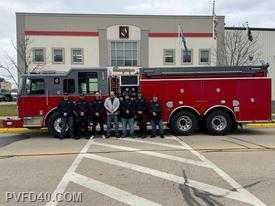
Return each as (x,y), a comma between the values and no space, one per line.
(165,56)
(53,56)
(122,55)
(67,86)
(88,79)
(29,87)
(72,56)
(43,55)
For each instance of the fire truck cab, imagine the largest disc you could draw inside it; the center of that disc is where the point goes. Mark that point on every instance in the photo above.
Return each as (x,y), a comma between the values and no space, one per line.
(40,93)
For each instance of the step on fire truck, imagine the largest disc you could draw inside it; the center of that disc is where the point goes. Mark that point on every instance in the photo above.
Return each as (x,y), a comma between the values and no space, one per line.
(215,98)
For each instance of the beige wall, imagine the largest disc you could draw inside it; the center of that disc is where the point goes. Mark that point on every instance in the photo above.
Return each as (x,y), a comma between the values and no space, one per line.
(6,86)
(89,45)
(158,45)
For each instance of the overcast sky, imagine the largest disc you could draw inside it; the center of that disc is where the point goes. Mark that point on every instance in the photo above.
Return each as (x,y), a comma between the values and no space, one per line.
(236,12)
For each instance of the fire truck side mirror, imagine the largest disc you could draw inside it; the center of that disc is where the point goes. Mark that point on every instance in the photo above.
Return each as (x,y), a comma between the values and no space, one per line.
(28,82)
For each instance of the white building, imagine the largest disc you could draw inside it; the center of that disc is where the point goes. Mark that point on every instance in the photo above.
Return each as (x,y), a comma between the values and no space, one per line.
(265,41)
(62,41)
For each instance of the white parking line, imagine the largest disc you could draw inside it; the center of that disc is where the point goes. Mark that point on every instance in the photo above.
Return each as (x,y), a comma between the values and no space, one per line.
(156,154)
(110,191)
(97,186)
(239,193)
(156,143)
(253,199)
(66,178)
(180,180)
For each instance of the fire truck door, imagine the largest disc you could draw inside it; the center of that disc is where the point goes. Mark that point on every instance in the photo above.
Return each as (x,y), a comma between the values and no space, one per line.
(34,101)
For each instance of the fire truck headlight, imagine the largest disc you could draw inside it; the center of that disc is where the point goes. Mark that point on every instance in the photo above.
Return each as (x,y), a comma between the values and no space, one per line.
(9,123)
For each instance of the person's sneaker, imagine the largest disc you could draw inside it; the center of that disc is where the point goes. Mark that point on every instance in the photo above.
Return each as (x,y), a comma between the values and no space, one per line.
(161,136)
(76,138)
(90,137)
(153,136)
(103,136)
(107,136)
(144,136)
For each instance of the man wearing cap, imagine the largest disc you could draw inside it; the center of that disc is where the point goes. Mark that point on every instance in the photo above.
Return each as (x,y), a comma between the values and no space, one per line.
(141,109)
(82,108)
(156,112)
(97,108)
(66,108)
(127,112)
(111,105)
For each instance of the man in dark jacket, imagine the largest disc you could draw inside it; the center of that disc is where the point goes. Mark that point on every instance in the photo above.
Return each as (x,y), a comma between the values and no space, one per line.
(156,112)
(66,108)
(127,112)
(97,109)
(141,109)
(82,108)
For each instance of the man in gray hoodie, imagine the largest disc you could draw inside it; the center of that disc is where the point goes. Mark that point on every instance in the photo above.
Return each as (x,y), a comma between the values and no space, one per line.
(111,105)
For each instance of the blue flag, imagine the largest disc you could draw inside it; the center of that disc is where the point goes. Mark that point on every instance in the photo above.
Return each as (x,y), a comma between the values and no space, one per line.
(183,41)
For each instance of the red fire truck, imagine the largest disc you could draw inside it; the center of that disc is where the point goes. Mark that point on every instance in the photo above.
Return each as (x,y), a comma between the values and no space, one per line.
(216,98)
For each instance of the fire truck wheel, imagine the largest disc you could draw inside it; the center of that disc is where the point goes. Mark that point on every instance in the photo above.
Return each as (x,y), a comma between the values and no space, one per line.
(54,124)
(184,123)
(219,123)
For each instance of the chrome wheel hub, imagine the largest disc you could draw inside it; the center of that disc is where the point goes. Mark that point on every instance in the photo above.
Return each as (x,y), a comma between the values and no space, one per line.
(219,123)
(184,123)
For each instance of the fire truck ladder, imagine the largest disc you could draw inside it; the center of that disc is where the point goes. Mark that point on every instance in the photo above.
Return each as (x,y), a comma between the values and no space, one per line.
(211,70)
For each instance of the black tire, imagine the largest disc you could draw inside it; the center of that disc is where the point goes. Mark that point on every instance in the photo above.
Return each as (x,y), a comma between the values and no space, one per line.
(50,124)
(184,123)
(219,123)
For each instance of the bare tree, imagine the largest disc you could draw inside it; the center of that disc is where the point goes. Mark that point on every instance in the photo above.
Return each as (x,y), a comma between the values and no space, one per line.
(236,49)
(24,52)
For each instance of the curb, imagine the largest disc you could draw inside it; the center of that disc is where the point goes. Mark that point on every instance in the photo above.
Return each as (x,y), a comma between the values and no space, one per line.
(261,124)
(19,130)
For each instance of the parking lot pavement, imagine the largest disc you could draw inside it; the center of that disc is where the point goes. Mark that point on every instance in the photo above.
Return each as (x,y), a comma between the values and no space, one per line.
(237,169)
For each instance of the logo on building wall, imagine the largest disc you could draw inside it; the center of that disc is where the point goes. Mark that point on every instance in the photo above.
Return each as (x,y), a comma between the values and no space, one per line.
(124,32)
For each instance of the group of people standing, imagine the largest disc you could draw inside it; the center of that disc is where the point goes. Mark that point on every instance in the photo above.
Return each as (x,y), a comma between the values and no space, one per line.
(127,109)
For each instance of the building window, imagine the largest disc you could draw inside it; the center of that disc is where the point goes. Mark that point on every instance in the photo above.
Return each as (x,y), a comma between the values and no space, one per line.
(204,56)
(38,55)
(77,56)
(68,86)
(35,86)
(124,53)
(87,82)
(187,56)
(169,56)
(58,55)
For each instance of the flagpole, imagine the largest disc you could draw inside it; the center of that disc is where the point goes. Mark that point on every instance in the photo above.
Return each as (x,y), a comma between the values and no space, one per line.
(214,33)
(179,45)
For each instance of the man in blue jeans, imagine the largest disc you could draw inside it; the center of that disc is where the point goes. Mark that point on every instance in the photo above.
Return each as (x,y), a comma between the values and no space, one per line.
(111,105)
(156,112)
(127,113)
(66,109)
